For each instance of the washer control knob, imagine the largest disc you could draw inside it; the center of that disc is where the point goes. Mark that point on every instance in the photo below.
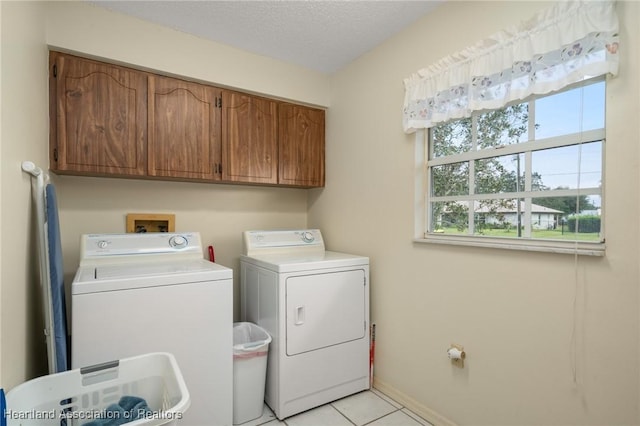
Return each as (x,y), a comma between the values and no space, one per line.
(178,241)
(308,237)
(103,244)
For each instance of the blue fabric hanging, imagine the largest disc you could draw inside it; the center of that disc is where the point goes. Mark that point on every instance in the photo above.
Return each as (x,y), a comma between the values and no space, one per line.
(3,409)
(56,274)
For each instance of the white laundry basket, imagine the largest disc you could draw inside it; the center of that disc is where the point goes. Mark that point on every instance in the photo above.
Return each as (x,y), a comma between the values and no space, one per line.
(250,351)
(80,396)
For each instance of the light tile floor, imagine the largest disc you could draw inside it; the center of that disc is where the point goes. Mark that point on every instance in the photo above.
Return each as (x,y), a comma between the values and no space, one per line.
(371,408)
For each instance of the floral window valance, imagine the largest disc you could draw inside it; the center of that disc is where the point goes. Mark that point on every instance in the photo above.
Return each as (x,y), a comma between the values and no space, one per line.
(561,45)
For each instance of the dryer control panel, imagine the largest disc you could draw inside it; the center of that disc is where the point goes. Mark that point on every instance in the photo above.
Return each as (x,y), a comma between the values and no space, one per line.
(95,247)
(282,241)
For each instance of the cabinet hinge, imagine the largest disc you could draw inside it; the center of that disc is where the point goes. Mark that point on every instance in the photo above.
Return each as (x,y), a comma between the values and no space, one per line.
(55,71)
(55,154)
(220,168)
(219,102)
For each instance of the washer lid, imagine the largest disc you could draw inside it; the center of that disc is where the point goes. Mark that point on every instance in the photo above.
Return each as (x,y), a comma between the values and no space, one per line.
(294,262)
(118,276)
(109,272)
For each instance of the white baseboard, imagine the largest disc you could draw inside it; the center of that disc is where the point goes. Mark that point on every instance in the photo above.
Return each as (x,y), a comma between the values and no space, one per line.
(428,414)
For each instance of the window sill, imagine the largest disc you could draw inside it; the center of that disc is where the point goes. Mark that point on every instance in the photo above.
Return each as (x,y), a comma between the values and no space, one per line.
(548,246)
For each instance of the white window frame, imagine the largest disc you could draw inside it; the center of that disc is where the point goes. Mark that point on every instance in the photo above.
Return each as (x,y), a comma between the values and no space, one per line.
(422,197)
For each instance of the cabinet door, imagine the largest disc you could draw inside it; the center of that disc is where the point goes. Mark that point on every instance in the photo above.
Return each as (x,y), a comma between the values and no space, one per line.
(184,129)
(301,145)
(249,144)
(98,117)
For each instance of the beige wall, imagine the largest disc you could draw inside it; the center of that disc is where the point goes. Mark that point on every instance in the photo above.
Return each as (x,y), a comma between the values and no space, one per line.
(24,137)
(219,212)
(516,313)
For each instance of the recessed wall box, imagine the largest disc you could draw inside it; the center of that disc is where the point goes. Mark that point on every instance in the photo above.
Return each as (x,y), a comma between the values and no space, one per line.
(145,222)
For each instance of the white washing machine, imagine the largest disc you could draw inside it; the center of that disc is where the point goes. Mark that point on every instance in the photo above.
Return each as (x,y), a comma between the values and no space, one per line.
(140,293)
(315,305)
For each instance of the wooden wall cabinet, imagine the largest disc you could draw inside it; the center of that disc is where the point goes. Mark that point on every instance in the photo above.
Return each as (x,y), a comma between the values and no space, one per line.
(249,138)
(108,120)
(98,118)
(301,145)
(184,129)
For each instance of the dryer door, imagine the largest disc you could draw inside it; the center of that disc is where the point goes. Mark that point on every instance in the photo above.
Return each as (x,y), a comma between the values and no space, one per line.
(325,309)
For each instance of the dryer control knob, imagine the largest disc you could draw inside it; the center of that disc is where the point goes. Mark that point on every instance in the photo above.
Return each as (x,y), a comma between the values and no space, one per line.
(178,241)
(103,244)
(307,237)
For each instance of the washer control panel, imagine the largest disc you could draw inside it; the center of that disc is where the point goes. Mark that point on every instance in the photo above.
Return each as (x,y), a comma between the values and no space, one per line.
(178,241)
(94,246)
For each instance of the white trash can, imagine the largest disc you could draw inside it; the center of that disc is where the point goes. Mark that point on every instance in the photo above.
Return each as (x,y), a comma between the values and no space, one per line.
(250,352)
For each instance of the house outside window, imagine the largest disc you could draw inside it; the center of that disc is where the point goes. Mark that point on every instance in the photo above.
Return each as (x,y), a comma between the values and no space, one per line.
(530,173)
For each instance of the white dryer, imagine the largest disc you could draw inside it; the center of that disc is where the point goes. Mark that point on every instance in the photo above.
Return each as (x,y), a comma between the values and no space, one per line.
(155,292)
(315,305)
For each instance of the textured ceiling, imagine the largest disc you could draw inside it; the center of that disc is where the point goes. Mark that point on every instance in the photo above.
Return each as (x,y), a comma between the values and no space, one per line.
(319,35)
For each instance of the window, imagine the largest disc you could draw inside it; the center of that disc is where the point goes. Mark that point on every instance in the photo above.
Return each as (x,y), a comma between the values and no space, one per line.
(529,175)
